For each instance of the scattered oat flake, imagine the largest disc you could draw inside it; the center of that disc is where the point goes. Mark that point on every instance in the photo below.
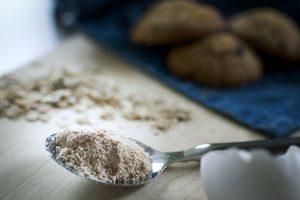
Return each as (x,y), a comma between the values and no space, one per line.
(163,124)
(81,91)
(32,116)
(107,116)
(43,108)
(83,121)
(131,116)
(44,118)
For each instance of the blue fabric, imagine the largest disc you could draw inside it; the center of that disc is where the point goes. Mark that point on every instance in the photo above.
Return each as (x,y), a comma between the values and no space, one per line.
(271,106)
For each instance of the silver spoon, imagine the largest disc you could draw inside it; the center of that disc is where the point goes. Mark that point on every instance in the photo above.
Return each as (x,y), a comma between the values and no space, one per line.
(160,160)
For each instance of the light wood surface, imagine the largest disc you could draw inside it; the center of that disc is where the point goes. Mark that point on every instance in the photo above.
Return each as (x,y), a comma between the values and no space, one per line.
(27,172)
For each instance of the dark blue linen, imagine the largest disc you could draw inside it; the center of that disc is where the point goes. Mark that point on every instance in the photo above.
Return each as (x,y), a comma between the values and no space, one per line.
(271,106)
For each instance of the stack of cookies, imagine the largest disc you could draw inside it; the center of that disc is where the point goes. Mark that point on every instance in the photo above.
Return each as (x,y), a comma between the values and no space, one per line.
(212,50)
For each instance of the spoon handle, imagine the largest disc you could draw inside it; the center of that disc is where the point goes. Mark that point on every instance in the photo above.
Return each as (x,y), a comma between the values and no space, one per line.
(273,145)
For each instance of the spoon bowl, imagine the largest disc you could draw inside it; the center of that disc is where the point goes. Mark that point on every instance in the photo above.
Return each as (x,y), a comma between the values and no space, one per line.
(160,160)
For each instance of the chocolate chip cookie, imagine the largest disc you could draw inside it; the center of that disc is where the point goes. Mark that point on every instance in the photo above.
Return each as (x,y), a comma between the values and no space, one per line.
(219,60)
(174,21)
(270,31)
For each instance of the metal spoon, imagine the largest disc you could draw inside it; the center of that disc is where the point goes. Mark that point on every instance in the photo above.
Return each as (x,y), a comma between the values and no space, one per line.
(160,160)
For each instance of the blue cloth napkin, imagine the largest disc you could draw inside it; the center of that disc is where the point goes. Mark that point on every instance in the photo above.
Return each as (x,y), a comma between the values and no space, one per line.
(271,106)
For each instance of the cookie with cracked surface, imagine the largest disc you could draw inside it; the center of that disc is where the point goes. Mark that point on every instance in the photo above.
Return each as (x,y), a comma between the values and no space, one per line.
(270,31)
(175,21)
(219,60)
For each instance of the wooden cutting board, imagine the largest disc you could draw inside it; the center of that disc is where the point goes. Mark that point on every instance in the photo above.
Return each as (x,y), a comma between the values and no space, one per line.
(27,172)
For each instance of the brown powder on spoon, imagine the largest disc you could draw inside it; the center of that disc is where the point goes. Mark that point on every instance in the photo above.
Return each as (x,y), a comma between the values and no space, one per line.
(100,154)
